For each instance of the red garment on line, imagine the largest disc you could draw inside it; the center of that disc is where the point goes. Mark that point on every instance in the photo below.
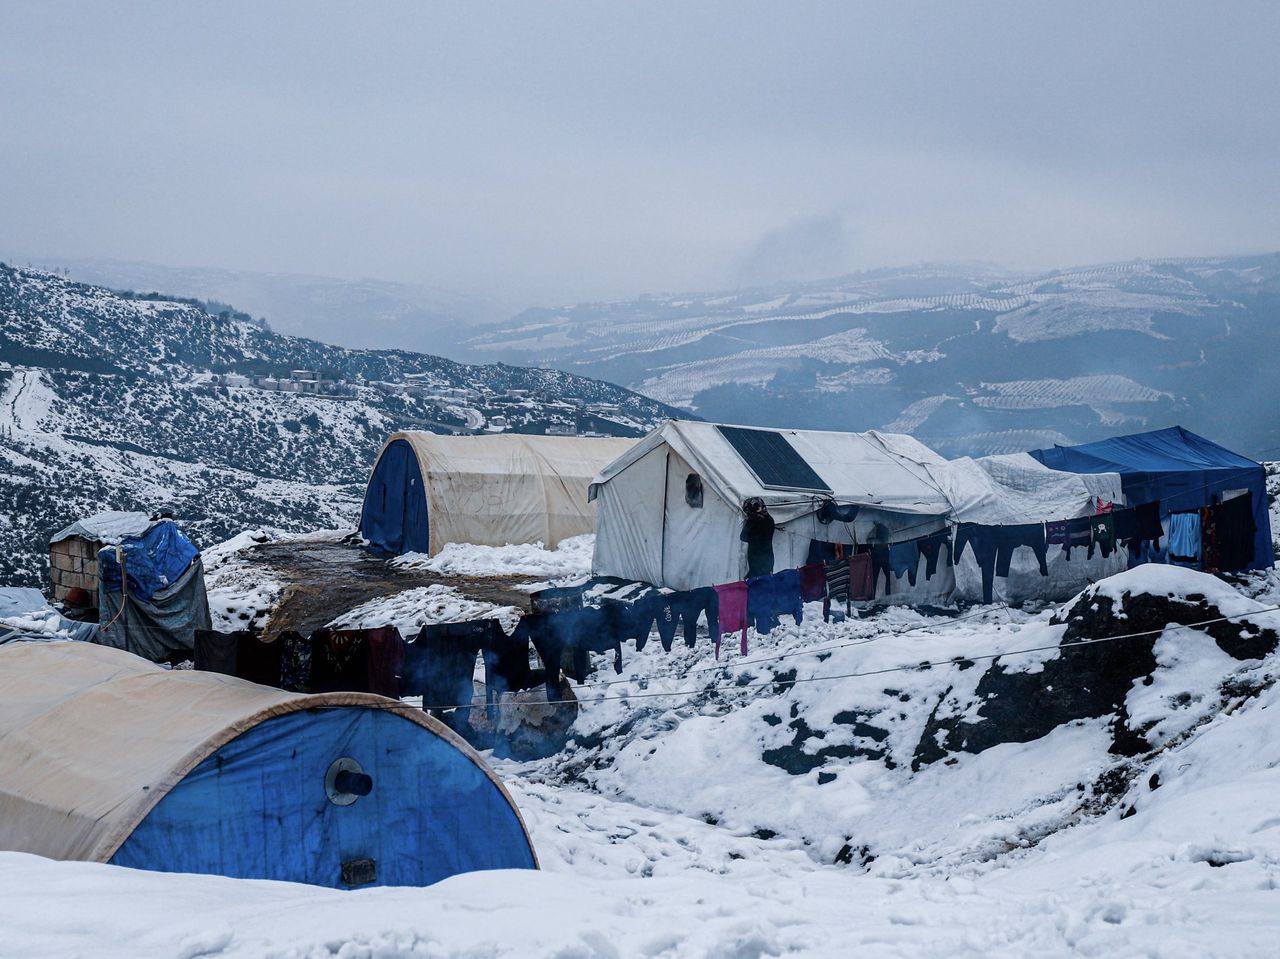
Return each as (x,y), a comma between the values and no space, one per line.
(733,612)
(813,582)
(862,581)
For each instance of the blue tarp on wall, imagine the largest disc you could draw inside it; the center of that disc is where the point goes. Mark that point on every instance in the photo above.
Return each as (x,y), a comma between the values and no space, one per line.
(257,808)
(1175,466)
(153,561)
(394,516)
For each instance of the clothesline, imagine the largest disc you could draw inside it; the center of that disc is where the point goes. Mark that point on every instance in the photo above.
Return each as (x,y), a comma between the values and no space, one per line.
(907,667)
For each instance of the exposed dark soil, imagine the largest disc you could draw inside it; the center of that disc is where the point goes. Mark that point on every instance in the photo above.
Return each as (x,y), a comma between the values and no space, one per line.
(325,579)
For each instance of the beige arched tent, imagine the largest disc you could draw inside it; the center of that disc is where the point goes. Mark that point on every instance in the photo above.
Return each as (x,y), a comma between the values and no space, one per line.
(426,491)
(105,757)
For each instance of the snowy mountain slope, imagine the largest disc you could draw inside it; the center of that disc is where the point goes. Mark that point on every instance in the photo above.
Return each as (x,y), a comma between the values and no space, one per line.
(111,402)
(355,313)
(1086,351)
(695,825)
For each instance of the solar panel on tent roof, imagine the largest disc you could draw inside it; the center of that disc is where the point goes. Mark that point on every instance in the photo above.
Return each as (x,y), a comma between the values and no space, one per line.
(773,460)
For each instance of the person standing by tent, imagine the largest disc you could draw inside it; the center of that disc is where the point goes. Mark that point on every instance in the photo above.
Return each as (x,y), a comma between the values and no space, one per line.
(757,532)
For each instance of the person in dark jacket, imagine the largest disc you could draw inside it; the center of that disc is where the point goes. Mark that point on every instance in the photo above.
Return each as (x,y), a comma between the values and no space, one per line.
(757,532)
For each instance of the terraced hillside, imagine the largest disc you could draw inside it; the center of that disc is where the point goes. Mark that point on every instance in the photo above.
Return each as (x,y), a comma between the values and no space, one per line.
(970,360)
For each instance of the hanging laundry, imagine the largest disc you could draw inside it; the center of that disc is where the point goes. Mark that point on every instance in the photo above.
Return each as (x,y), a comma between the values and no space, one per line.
(1236,532)
(664,619)
(385,660)
(256,660)
(692,604)
(982,540)
(506,663)
(1184,538)
(813,582)
(595,634)
(931,548)
(1210,554)
(636,612)
(440,665)
(1010,538)
(994,546)
(295,662)
(215,652)
(769,596)
(1137,525)
(821,551)
(1099,507)
(1103,530)
(339,661)
(880,563)
(732,605)
(904,558)
(862,583)
(1070,534)
(836,572)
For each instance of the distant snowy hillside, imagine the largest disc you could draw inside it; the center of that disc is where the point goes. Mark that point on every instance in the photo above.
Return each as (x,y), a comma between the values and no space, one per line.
(376,314)
(112,402)
(969,360)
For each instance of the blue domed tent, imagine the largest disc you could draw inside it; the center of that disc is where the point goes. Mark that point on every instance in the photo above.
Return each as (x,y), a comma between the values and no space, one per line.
(1175,466)
(105,757)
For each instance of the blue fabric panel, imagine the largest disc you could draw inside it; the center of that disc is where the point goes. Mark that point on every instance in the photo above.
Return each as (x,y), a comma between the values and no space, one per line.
(1184,535)
(394,516)
(154,561)
(257,808)
(1175,466)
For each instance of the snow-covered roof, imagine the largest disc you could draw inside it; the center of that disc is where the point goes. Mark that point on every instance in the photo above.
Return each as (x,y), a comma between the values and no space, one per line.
(109,527)
(885,470)
(1015,488)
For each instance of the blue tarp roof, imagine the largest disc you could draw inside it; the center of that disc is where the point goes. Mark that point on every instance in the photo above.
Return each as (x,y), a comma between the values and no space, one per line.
(154,561)
(1175,466)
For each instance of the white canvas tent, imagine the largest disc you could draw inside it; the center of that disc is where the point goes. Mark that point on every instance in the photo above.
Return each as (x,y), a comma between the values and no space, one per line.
(426,490)
(649,529)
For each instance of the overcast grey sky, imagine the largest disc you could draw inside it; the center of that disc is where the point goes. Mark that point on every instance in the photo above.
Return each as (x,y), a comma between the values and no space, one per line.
(564,151)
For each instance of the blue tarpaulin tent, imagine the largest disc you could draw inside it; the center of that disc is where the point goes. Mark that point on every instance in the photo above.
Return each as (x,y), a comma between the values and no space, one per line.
(196,772)
(1175,466)
(165,601)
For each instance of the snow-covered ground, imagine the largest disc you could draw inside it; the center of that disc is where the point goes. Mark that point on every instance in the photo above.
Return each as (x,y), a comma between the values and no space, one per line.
(777,804)
(412,609)
(242,593)
(571,558)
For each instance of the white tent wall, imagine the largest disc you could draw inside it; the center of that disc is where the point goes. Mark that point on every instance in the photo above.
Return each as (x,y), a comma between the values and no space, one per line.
(647,531)
(629,525)
(701,544)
